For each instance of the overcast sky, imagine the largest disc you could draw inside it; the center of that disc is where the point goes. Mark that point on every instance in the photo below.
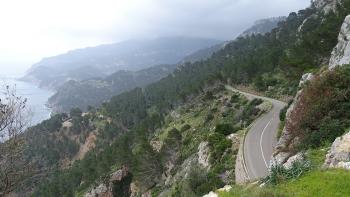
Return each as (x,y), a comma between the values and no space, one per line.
(33,29)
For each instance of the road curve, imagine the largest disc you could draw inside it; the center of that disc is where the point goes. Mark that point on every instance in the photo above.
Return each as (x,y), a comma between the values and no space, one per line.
(261,139)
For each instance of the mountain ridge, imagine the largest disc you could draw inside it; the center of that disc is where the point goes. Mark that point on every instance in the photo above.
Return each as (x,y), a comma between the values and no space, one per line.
(102,60)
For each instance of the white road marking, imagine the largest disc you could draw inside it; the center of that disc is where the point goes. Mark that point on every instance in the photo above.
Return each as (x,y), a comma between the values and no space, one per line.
(261,148)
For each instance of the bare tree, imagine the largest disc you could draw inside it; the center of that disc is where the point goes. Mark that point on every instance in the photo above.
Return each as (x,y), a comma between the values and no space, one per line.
(14,119)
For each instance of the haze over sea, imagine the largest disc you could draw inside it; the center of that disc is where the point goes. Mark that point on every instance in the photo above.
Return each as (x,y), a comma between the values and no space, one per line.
(37,98)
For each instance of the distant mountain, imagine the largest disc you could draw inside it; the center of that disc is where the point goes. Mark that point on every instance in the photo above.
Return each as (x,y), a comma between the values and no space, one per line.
(263,26)
(204,54)
(260,27)
(101,61)
(93,92)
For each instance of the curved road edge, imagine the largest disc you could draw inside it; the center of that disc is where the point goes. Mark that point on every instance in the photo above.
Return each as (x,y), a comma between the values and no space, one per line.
(258,142)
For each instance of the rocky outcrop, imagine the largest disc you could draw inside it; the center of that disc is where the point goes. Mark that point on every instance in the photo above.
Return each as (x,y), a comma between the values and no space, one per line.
(339,154)
(99,191)
(203,154)
(288,140)
(326,6)
(341,53)
(119,185)
(305,78)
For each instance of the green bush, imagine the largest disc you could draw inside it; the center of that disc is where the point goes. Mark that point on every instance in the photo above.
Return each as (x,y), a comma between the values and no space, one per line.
(235,98)
(185,127)
(209,117)
(256,102)
(218,144)
(279,174)
(202,183)
(226,129)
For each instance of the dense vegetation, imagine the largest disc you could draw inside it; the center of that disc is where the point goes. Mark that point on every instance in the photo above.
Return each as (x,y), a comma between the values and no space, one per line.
(319,120)
(93,92)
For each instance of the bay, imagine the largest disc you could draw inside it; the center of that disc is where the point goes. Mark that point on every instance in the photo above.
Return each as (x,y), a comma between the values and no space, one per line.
(37,98)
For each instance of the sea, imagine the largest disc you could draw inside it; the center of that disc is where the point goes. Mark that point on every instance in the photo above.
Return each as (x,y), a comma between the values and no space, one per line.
(36,98)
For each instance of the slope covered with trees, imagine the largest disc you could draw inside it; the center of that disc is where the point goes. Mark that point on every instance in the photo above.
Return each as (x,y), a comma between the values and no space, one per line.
(93,92)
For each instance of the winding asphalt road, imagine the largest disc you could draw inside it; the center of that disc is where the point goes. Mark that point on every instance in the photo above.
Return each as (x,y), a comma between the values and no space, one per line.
(261,139)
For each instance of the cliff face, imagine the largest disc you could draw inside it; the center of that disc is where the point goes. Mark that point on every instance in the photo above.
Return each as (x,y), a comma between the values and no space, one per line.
(341,53)
(326,5)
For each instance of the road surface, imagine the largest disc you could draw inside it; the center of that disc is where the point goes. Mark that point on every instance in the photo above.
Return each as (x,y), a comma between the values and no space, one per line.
(261,139)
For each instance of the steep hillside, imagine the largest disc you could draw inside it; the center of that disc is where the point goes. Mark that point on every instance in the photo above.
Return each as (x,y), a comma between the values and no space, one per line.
(156,132)
(103,60)
(202,134)
(93,92)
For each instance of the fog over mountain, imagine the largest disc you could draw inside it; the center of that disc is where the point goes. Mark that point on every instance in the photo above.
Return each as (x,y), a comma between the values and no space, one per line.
(38,28)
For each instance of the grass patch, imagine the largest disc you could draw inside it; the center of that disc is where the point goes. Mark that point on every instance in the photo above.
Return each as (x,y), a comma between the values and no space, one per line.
(280,129)
(335,182)
(320,183)
(317,156)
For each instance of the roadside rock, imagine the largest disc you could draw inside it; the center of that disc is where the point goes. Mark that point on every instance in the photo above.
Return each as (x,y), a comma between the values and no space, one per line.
(287,138)
(339,154)
(341,53)
(296,158)
(279,158)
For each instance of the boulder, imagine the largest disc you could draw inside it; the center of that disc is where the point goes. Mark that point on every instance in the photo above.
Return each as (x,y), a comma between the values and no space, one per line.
(296,158)
(99,191)
(339,154)
(119,174)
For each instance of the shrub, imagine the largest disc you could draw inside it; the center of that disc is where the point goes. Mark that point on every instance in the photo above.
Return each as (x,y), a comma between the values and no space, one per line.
(284,110)
(234,98)
(279,174)
(226,129)
(185,127)
(202,183)
(256,102)
(218,144)
(209,95)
